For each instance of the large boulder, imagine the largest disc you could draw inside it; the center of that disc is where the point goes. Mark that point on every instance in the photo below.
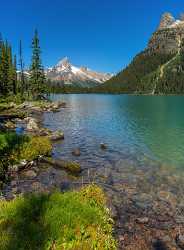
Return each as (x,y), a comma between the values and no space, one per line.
(32,124)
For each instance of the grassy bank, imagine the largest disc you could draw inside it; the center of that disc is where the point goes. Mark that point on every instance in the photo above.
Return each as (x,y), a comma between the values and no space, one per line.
(14,148)
(68,221)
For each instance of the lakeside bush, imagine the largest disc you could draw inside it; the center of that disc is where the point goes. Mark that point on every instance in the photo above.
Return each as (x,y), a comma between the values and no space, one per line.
(68,221)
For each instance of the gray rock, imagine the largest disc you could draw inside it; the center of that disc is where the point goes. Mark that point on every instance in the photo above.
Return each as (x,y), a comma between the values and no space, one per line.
(180,240)
(14,190)
(103,146)
(143,220)
(76,152)
(56,136)
(13,183)
(30,174)
(37,186)
(179,219)
(32,125)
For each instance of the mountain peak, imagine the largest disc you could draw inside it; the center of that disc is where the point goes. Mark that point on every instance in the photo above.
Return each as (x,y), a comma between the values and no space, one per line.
(67,73)
(63,62)
(166,20)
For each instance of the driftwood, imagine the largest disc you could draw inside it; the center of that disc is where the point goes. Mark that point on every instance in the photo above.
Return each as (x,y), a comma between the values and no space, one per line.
(69,166)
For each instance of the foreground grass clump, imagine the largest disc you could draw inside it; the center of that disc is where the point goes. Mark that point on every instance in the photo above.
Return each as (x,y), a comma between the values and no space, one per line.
(14,148)
(69,221)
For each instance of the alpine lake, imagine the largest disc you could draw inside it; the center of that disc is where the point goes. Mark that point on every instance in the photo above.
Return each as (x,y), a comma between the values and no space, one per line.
(140,166)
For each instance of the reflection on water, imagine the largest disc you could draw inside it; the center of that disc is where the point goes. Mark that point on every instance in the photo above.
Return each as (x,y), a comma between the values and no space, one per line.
(132,126)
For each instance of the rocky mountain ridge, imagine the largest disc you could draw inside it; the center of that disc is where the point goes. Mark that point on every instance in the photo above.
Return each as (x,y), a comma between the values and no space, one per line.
(159,68)
(66,73)
(168,36)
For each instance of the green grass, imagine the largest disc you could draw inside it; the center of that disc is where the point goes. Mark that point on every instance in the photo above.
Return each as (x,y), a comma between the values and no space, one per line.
(68,221)
(14,148)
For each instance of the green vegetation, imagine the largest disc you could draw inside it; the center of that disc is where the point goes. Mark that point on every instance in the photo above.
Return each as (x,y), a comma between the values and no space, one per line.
(18,84)
(9,142)
(148,73)
(37,77)
(31,149)
(128,80)
(68,221)
(14,148)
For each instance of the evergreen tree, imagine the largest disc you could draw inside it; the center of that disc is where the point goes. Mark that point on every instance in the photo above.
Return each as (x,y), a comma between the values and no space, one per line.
(21,63)
(1,83)
(4,68)
(15,76)
(37,78)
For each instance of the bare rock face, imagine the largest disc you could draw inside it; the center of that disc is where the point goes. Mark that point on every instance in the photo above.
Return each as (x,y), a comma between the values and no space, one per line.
(166,20)
(167,38)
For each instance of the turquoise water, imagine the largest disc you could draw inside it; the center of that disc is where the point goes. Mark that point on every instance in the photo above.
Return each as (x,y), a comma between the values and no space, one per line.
(133,127)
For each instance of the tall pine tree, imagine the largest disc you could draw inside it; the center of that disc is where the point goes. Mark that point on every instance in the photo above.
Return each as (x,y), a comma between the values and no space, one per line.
(37,76)
(21,64)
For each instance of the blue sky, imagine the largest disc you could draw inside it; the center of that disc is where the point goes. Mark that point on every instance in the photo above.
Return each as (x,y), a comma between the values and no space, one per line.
(101,34)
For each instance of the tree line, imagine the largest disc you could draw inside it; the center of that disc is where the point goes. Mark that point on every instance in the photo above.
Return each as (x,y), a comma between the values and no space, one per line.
(14,80)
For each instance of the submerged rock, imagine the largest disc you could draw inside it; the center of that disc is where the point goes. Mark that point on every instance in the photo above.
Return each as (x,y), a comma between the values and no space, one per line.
(103,146)
(70,166)
(56,136)
(76,152)
(180,240)
(30,174)
(143,220)
(168,197)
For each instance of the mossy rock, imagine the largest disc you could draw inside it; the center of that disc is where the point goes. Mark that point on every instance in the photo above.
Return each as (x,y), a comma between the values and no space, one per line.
(70,166)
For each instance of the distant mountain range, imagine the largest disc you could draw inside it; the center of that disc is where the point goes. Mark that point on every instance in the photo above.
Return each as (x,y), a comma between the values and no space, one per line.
(159,69)
(65,73)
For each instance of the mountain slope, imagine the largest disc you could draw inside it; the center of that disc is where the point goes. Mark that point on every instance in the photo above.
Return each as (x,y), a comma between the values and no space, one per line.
(64,73)
(148,72)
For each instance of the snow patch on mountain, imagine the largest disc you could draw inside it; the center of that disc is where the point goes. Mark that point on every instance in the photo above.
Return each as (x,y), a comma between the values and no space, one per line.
(67,73)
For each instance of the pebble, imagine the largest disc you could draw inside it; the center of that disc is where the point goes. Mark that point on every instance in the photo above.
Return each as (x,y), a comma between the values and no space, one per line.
(180,240)
(167,196)
(143,220)
(103,146)
(13,183)
(29,174)
(36,186)
(76,152)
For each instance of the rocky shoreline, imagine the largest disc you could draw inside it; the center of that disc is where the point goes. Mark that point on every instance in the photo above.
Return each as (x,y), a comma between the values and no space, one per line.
(146,201)
(27,119)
